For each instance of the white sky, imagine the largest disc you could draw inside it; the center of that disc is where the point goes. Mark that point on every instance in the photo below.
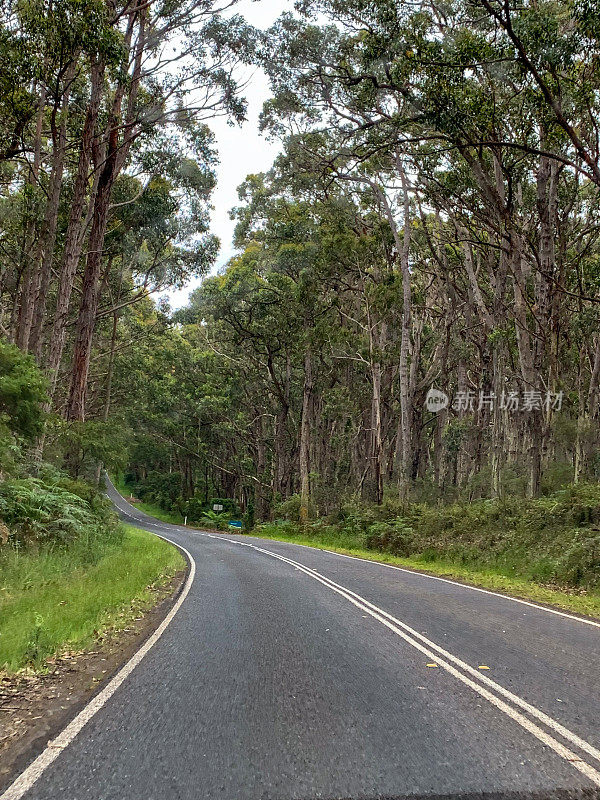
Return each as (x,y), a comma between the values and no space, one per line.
(242,151)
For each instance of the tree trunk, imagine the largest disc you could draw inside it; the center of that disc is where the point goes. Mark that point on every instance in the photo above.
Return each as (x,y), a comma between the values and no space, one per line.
(497,427)
(75,229)
(48,232)
(108,385)
(404,438)
(305,438)
(89,295)
(579,460)
(262,504)
(27,283)
(116,156)
(376,438)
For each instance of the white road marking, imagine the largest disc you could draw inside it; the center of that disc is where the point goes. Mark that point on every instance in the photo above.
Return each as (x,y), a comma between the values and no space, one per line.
(432,651)
(523,704)
(426,575)
(34,771)
(28,778)
(466,586)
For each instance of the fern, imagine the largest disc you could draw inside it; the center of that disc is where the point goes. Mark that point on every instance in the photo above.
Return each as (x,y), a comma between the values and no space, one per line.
(33,509)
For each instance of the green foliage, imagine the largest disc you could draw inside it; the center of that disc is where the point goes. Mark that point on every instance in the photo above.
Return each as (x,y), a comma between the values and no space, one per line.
(555,539)
(249,516)
(288,509)
(230,507)
(46,509)
(22,392)
(497,577)
(87,444)
(57,512)
(215,519)
(160,488)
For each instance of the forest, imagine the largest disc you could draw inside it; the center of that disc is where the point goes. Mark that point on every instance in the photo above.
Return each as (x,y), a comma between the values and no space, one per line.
(406,344)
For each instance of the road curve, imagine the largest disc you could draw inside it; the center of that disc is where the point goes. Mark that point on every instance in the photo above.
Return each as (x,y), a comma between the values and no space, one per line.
(290,673)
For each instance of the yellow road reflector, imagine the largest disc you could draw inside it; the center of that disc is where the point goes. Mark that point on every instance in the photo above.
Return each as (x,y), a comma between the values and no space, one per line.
(432,665)
(483,666)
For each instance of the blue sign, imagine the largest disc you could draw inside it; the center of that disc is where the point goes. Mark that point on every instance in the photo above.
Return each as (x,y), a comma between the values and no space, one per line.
(234,523)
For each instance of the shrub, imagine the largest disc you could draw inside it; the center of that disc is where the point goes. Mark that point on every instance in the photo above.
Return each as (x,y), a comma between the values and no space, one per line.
(288,509)
(215,519)
(393,538)
(56,512)
(248,519)
(22,392)
(555,538)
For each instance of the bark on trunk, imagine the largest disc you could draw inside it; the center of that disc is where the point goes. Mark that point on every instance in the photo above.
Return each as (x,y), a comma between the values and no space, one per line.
(75,229)
(262,503)
(305,438)
(48,233)
(117,150)
(27,282)
(89,296)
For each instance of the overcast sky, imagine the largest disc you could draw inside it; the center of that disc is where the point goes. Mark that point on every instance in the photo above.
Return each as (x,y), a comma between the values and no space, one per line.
(242,150)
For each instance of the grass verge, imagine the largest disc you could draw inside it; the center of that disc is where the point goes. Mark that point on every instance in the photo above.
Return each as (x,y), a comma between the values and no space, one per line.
(51,600)
(151,509)
(587,603)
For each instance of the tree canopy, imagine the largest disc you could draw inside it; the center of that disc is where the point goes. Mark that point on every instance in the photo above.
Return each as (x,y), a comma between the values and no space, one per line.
(430,230)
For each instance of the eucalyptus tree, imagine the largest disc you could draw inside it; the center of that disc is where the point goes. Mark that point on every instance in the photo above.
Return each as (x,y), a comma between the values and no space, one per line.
(152,89)
(106,90)
(448,99)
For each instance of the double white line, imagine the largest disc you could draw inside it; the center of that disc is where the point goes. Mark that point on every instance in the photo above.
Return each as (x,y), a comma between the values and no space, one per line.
(484,686)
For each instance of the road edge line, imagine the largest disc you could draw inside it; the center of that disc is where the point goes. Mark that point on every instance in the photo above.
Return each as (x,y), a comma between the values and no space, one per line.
(548,609)
(31,774)
(544,718)
(393,624)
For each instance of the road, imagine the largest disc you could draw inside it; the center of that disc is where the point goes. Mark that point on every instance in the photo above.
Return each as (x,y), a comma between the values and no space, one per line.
(289,673)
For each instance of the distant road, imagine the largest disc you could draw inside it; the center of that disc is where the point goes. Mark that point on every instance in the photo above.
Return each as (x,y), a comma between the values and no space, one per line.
(290,673)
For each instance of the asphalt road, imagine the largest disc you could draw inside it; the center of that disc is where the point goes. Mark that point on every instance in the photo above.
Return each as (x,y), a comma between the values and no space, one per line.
(290,673)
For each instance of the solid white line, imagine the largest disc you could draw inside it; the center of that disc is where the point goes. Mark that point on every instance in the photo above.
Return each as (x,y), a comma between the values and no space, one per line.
(535,712)
(433,650)
(396,625)
(426,575)
(27,779)
(443,580)
(540,715)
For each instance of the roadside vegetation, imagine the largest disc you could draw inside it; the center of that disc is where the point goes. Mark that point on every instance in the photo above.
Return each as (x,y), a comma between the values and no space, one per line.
(107,165)
(546,550)
(159,496)
(69,571)
(152,508)
(403,354)
(56,599)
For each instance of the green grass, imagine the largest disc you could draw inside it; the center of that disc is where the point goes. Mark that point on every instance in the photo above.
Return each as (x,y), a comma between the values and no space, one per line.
(496,580)
(156,511)
(52,600)
(148,508)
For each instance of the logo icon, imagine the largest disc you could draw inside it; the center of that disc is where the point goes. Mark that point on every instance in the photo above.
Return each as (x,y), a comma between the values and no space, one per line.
(436,400)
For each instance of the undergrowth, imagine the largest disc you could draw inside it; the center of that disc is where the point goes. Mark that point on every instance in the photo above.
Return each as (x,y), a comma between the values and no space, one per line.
(553,540)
